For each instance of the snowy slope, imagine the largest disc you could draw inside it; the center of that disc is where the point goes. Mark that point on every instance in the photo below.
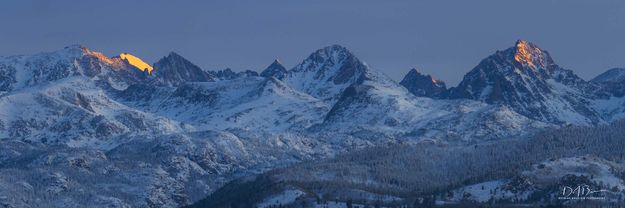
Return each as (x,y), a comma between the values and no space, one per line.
(611,75)
(251,103)
(548,178)
(74,112)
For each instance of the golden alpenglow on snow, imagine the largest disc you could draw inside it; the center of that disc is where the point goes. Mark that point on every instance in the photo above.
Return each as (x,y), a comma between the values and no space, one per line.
(136,62)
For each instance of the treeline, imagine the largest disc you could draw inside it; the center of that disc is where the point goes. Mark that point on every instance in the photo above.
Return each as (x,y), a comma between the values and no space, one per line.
(413,171)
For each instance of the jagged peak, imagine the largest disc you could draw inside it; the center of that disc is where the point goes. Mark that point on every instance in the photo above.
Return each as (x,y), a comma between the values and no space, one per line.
(173,70)
(329,56)
(174,55)
(333,62)
(414,72)
(276,62)
(335,48)
(174,58)
(136,62)
(530,54)
(75,46)
(421,84)
(276,69)
(76,50)
(333,52)
(80,50)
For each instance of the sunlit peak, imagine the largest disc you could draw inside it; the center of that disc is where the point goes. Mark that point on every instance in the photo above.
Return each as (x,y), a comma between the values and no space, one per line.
(99,56)
(136,62)
(525,52)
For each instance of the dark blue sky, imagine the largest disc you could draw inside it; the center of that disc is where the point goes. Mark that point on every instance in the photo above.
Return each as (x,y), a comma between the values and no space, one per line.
(443,38)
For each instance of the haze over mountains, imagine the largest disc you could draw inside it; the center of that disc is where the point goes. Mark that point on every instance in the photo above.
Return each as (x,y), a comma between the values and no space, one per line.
(79,128)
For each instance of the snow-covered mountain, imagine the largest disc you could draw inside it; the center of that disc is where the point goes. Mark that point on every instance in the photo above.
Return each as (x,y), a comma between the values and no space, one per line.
(176,133)
(611,75)
(381,108)
(422,85)
(61,97)
(175,70)
(612,85)
(527,79)
(24,71)
(326,73)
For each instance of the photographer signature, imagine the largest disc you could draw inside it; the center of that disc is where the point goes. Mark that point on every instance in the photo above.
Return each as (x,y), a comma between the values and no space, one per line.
(579,191)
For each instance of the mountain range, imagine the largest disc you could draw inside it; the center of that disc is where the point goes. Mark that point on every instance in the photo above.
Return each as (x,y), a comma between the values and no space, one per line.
(79,128)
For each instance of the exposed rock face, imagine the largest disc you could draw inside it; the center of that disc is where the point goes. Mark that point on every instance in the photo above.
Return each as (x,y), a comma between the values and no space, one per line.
(174,70)
(422,85)
(276,69)
(327,72)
